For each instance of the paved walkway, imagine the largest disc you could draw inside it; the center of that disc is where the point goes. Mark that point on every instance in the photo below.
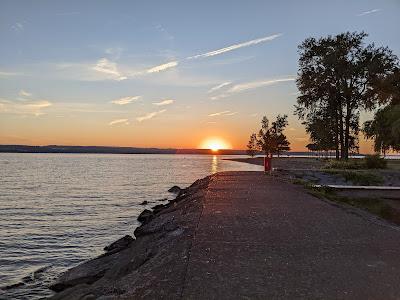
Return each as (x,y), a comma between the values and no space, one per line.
(259,238)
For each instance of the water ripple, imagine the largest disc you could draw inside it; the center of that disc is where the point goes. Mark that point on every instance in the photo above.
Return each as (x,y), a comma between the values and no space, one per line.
(57,210)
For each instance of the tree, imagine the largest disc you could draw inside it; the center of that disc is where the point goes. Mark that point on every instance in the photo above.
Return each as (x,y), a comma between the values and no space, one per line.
(337,79)
(385,129)
(271,139)
(252,146)
(319,126)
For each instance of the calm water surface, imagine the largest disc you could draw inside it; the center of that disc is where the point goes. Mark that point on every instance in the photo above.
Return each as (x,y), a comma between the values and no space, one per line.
(57,210)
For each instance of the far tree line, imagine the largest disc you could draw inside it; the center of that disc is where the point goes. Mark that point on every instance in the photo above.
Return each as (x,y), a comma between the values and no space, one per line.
(339,77)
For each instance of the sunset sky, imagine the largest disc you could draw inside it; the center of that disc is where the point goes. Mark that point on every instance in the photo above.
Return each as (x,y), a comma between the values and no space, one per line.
(166,73)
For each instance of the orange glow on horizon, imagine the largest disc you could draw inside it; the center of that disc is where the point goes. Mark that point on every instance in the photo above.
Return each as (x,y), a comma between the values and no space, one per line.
(215,144)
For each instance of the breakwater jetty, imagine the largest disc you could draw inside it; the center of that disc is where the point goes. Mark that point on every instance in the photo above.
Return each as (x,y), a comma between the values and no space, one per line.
(245,235)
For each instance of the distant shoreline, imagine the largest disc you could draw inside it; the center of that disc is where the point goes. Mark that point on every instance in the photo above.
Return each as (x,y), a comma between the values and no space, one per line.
(137,150)
(118,150)
(110,150)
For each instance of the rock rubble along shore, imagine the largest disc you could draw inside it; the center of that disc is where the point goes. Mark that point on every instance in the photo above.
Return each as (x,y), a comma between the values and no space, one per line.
(150,265)
(245,235)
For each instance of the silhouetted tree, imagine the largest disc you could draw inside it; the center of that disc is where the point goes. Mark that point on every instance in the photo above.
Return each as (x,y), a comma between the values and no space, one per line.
(320,126)
(385,127)
(271,139)
(312,147)
(337,78)
(252,146)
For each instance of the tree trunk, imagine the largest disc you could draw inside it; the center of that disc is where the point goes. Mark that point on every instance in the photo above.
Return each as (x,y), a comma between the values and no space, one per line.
(347,130)
(337,135)
(337,144)
(341,132)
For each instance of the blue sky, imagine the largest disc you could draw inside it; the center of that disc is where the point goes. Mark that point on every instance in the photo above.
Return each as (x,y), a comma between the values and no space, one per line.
(122,72)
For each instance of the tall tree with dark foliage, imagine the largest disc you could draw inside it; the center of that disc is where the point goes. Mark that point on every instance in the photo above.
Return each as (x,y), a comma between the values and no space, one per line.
(337,79)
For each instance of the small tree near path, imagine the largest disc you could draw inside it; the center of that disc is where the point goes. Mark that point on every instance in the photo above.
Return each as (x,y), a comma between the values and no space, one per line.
(271,139)
(252,146)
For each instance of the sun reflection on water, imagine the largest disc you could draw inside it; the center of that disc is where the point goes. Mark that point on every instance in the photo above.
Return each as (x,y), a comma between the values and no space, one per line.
(214,164)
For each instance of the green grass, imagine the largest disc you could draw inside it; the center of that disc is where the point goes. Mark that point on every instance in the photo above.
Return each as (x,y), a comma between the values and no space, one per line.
(359,177)
(369,162)
(393,164)
(375,206)
(351,164)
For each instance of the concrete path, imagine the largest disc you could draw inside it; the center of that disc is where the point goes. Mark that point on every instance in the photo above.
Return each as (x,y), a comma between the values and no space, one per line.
(259,238)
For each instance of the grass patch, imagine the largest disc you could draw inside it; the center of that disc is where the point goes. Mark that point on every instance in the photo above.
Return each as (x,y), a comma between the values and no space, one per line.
(368,162)
(350,164)
(359,177)
(375,162)
(374,206)
(393,164)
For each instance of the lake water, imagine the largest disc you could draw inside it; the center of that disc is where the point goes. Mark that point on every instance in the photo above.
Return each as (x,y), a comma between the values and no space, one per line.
(57,210)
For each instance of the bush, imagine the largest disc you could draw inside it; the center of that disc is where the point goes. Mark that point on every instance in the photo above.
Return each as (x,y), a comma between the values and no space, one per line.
(375,162)
(369,162)
(351,164)
(359,177)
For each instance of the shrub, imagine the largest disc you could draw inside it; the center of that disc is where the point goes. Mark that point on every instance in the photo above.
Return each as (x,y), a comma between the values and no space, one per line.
(359,177)
(375,162)
(369,162)
(352,164)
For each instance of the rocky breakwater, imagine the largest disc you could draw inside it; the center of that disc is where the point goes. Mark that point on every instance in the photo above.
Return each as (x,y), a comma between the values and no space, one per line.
(151,265)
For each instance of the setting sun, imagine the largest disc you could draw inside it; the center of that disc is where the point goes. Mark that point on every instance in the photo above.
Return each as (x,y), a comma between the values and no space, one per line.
(215,144)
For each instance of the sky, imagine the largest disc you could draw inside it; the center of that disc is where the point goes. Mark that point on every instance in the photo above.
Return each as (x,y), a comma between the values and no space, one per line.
(164,73)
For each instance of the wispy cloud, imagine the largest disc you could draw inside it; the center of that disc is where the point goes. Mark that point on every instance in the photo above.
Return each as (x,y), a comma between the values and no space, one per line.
(150,115)
(114,52)
(106,67)
(241,87)
(236,46)
(162,67)
(7,74)
(368,12)
(23,93)
(33,107)
(257,84)
(219,97)
(119,121)
(38,104)
(164,102)
(218,87)
(109,68)
(223,113)
(125,100)
(18,27)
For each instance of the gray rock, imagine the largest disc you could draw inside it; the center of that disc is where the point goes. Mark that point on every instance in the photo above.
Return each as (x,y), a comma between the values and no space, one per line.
(119,245)
(151,267)
(175,190)
(12,286)
(145,216)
